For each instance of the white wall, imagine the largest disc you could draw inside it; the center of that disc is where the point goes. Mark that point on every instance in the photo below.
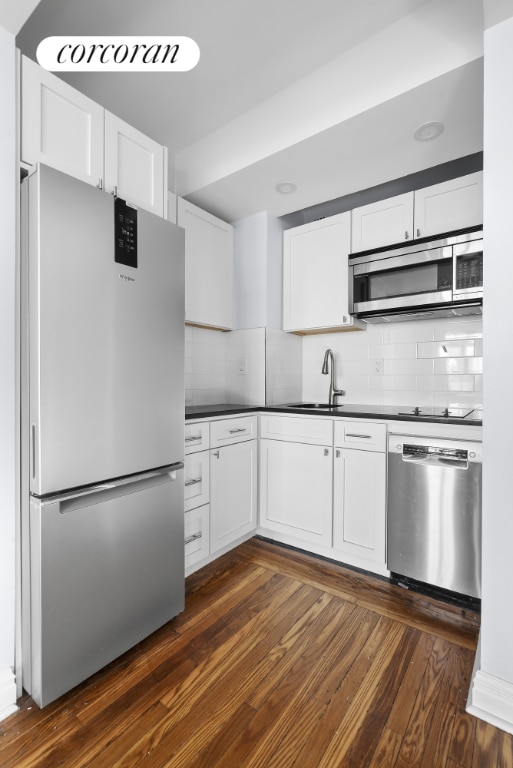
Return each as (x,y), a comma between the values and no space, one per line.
(251,271)
(497,627)
(7,371)
(258,271)
(492,691)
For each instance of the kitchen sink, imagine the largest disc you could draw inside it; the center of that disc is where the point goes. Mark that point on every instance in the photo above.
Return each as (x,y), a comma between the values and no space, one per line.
(320,406)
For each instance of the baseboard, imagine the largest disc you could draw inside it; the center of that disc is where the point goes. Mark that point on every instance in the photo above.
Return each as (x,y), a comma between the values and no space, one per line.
(7,693)
(491,699)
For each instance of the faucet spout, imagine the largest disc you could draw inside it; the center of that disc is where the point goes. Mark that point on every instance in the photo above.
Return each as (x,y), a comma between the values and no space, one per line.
(329,364)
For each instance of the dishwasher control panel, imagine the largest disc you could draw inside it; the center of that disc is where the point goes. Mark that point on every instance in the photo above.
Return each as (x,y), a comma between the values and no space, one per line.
(424,447)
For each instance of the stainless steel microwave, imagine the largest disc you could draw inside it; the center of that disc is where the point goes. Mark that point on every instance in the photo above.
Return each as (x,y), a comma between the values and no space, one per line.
(441,278)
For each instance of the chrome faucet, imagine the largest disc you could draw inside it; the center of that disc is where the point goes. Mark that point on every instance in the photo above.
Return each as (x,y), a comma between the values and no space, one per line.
(329,357)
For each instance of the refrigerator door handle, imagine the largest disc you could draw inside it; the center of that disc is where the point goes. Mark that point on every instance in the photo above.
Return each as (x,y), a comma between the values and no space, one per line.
(33,451)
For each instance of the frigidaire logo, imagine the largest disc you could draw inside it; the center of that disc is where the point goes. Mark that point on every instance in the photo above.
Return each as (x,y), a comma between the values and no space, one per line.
(118,54)
(127,278)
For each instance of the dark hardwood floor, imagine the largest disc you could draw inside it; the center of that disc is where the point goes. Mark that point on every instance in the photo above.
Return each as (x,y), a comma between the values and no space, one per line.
(280,659)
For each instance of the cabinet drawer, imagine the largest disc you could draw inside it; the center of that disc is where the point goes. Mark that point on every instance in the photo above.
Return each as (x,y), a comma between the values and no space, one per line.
(297,429)
(365,435)
(196,436)
(229,431)
(196,479)
(197,534)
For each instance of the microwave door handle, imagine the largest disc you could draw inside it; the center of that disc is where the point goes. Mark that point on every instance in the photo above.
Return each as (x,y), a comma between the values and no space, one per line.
(406,260)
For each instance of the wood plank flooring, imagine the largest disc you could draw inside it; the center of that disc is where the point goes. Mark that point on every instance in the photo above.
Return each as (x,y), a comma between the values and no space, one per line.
(280,659)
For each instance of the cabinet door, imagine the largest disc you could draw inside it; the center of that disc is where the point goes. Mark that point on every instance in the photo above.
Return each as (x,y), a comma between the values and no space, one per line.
(134,166)
(209,267)
(60,127)
(296,490)
(233,493)
(454,204)
(385,222)
(315,274)
(359,505)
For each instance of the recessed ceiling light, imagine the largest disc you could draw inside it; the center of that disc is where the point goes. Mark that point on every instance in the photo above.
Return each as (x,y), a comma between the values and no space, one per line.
(286,187)
(428,131)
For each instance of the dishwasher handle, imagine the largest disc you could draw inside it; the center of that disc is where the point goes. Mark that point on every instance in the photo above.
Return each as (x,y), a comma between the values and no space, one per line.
(434,459)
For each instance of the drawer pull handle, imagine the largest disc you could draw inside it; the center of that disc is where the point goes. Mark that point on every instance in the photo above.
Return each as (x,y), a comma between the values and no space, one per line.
(216,454)
(192,538)
(235,431)
(192,438)
(355,434)
(194,481)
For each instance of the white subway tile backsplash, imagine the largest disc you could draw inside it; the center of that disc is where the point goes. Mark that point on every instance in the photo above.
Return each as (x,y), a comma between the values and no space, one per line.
(460,329)
(409,398)
(398,333)
(425,363)
(422,362)
(458,348)
(450,383)
(405,366)
(403,351)
(399,383)
(459,365)
(214,366)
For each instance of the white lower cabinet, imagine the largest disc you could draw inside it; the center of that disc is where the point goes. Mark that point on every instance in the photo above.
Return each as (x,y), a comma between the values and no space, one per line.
(220,493)
(323,487)
(359,509)
(295,490)
(233,493)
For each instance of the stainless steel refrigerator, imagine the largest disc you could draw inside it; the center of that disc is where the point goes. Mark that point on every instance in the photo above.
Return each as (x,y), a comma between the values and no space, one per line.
(102,328)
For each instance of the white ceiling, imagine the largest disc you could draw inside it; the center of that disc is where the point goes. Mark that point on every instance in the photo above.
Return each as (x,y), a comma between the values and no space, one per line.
(324,94)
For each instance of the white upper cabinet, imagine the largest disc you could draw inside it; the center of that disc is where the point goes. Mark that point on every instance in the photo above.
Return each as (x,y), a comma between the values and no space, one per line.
(451,205)
(383,223)
(60,127)
(134,166)
(209,267)
(454,204)
(315,275)
(64,129)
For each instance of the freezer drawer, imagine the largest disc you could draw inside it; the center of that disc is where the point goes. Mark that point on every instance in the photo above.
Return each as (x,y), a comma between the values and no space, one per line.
(106,570)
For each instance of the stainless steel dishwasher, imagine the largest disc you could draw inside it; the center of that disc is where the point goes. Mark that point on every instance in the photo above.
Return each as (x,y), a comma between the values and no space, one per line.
(434,512)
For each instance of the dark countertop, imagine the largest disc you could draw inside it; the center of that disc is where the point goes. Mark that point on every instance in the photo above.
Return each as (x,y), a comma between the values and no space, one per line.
(396,413)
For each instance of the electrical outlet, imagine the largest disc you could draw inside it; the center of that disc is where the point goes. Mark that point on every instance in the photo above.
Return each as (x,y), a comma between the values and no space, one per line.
(242,366)
(378,366)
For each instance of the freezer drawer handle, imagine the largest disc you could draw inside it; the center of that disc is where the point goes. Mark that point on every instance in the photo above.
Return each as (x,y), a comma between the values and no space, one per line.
(194,481)
(192,538)
(235,431)
(137,482)
(355,434)
(193,439)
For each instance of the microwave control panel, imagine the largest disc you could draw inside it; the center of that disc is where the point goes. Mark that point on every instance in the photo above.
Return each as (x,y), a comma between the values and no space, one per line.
(469,271)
